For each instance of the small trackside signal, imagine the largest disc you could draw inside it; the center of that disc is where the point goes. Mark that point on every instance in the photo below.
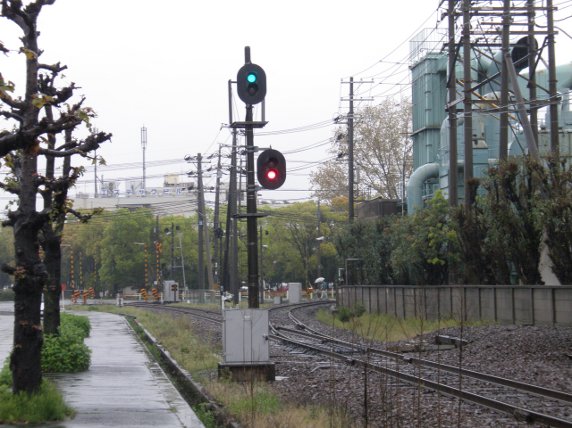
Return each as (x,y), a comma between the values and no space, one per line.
(271,169)
(251,84)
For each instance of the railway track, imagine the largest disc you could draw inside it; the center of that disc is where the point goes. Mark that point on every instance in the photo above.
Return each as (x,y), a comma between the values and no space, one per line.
(214,317)
(525,402)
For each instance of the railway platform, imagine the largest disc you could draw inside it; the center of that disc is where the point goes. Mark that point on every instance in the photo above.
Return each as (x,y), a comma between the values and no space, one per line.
(123,386)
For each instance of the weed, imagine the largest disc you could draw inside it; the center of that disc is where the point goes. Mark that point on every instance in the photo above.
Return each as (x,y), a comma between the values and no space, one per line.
(380,327)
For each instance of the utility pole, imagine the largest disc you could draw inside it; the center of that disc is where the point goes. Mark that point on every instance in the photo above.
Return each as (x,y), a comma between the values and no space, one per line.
(158,255)
(350,141)
(172,233)
(467,103)
(319,239)
(351,154)
(216,225)
(200,216)
(95,175)
(146,265)
(182,263)
(532,52)
(144,146)
(173,251)
(452,107)
(229,263)
(203,231)
(552,86)
(505,47)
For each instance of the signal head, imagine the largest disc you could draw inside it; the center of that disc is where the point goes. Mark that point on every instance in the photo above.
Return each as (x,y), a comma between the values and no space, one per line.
(271,169)
(251,83)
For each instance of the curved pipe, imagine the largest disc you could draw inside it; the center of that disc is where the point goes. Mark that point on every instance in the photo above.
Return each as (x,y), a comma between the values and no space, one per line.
(415,185)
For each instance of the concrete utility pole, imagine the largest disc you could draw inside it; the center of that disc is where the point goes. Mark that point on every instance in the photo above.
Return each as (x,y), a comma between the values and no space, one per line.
(350,141)
(158,255)
(351,154)
(319,239)
(95,176)
(467,102)
(173,251)
(144,147)
(505,47)
(216,225)
(203,232)
(532,52)
(229,269)
(201,222)
(552,85)
(452,107)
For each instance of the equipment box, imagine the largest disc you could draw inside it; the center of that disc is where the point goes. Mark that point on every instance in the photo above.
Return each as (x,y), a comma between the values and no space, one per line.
(170,291)
(245,336)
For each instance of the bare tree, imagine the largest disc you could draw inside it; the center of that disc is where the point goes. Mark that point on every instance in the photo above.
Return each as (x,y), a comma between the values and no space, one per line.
(20,148)
(383,147)
(382,154)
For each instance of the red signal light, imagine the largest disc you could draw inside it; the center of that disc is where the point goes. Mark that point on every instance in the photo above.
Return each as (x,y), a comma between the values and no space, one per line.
(271,169)
(271,174)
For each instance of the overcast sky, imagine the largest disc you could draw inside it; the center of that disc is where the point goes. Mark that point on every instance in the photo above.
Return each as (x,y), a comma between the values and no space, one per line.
(166,65)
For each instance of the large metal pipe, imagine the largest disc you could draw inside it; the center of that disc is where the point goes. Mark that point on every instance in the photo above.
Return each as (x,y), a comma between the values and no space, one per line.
(415,185)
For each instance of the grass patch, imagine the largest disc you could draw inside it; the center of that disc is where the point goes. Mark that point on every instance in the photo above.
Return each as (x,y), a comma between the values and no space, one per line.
(255,405)
(47,405)
(381,327)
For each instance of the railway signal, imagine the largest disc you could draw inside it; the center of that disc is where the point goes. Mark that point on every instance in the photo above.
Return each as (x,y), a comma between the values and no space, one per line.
(271,169)
(251,83)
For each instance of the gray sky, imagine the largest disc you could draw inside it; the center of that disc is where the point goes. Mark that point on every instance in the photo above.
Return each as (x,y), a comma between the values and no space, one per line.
(166,64)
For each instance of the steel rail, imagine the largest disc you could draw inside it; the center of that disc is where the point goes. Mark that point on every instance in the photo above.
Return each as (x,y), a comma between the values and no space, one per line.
(199,313)
(516,411)
(522,386)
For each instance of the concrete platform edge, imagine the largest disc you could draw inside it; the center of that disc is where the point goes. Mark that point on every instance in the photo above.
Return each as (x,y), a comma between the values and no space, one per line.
(191,391)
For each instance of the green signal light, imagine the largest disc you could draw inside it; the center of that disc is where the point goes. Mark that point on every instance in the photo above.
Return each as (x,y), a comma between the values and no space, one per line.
(251,78)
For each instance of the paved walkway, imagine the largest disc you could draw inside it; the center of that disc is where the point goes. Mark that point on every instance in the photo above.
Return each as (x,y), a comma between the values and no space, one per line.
(123,387)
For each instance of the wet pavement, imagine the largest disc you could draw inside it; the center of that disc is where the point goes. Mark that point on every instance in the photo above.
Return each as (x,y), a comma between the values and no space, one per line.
(122,388)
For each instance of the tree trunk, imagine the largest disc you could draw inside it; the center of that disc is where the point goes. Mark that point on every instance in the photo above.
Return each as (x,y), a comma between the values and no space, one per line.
(52,295)
(29,280)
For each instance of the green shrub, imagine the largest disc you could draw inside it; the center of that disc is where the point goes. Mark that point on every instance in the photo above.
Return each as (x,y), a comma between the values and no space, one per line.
(346,314)
(358,311)
(78,321)
(67,353)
